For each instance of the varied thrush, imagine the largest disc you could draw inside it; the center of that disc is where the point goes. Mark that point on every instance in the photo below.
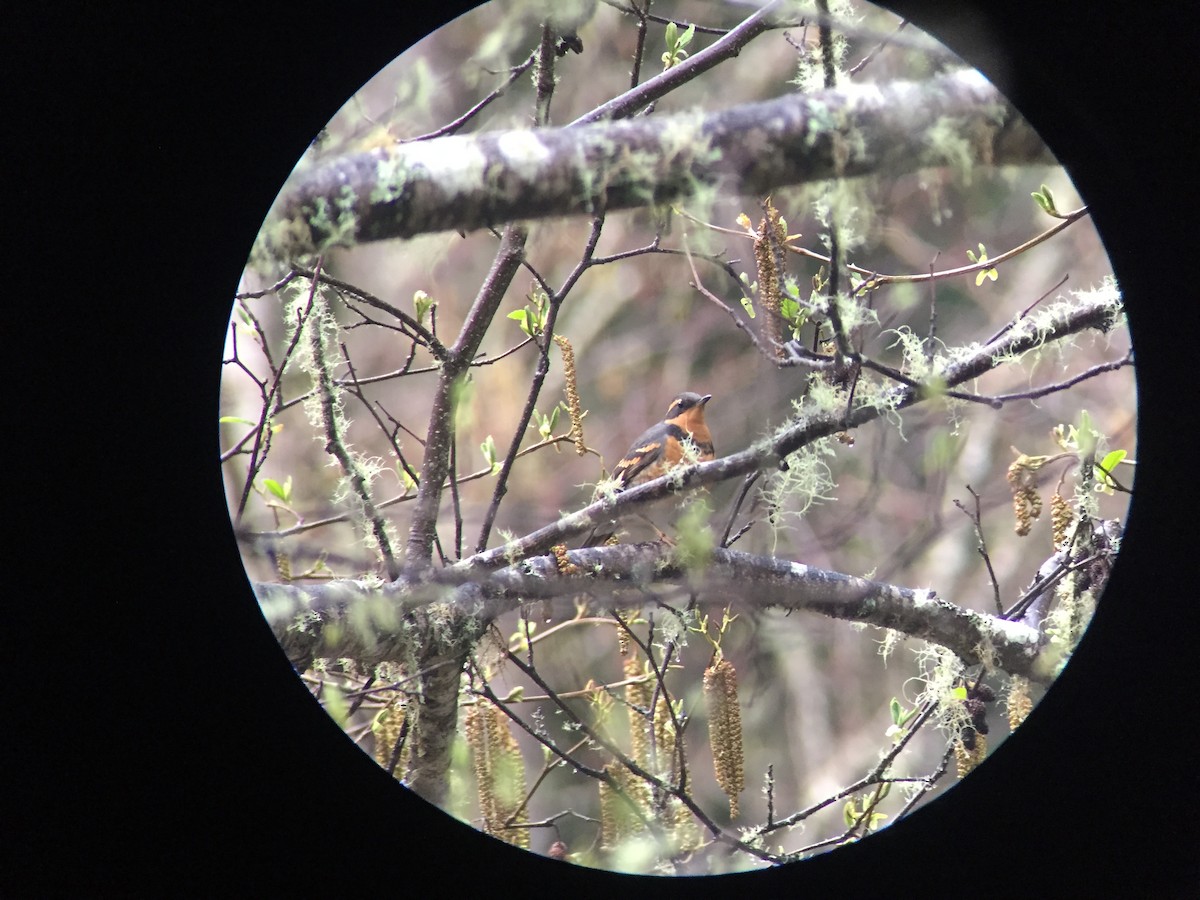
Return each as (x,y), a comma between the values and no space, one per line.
(661,446)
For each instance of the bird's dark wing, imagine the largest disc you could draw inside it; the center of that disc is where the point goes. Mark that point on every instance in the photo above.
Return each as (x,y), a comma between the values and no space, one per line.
(645,452)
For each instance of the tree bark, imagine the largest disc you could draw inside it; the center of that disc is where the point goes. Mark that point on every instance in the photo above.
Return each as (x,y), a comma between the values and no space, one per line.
(473,181)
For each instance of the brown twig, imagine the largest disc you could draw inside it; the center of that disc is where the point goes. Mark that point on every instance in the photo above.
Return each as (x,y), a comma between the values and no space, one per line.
(976,518)
(514,73)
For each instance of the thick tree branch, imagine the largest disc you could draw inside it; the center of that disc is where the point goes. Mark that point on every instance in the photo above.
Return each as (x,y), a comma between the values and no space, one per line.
(361,621)
(468,182)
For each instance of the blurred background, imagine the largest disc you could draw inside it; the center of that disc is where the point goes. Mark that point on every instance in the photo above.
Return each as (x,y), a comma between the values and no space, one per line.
(814,692)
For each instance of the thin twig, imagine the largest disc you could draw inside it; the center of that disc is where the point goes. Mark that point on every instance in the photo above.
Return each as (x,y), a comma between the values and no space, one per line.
(630,764)
(662,20)
(423,526)
(737,320)
(414,328)
(977,521)
(262,431)
(929,342)
(862,63)
(514,73)
(875,776)
(730,44)
(1023,313)
(1068,220)
(403,498)
(747,483)
(635,75)
(273,289)
(1099,369)
(535,389)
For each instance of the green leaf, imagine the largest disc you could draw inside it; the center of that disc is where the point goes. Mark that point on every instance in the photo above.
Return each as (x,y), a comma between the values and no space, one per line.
(405,479)
(686,37)
(282,491)
(896,709)
(748,306)
(545,424)
(517,694)
(1111,460)
(522,318)
(489,454)
(532,318)
(670,35)
(235,420)
(423,303)
(1045,199)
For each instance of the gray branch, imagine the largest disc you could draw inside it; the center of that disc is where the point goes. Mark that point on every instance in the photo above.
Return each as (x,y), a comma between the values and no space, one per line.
(456,362)
(468,182)
(362,621)
(1100,312)
(365,620)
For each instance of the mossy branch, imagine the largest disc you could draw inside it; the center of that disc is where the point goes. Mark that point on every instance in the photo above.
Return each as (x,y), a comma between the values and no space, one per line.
(1098,310)
(362,621)
(473,181)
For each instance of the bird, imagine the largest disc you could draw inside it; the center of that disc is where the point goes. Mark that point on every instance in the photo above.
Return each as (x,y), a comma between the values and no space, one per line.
(662,446)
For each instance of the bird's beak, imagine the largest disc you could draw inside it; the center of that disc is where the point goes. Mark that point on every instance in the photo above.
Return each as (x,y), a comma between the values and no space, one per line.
(705,399)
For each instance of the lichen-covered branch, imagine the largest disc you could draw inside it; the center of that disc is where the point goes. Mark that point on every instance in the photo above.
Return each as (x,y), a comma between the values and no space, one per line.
(363,621)
(471,181)
(1100,310)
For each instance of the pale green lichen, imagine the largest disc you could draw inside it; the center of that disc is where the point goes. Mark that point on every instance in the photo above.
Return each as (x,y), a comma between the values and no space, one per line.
(316,354)
(945,144)
(1065,625)
(805,481)
(916,360)
(337,223)
(392,174)
(891,640)
(810,67)
(941,674)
